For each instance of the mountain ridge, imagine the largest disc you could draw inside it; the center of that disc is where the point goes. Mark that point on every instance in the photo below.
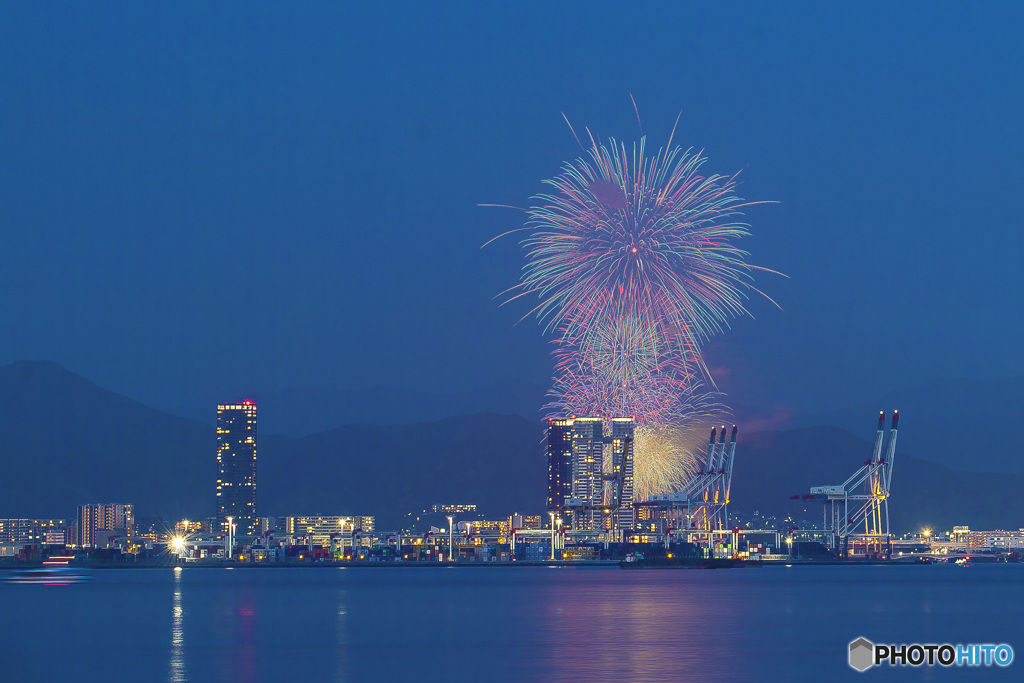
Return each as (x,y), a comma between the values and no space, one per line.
(65,441)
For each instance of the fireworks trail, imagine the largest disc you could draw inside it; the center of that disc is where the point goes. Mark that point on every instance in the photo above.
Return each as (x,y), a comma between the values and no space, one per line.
(627,235)
(664,459)
(634,259)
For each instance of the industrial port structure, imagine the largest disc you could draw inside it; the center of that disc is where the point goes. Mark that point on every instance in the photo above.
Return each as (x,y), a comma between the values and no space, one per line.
(590,495)
(855,514)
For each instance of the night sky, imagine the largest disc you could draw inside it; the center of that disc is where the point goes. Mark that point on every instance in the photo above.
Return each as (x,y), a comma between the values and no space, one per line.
(209,200)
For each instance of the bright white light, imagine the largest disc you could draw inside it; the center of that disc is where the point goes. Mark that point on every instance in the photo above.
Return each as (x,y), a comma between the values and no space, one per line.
(178,543)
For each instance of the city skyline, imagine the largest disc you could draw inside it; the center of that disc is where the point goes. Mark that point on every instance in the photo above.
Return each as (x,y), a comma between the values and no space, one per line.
(497,461)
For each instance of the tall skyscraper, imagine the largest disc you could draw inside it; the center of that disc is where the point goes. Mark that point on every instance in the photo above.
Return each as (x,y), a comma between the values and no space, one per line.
(599,489)
(559,464)
(588,470)
(236,467)
(622,464)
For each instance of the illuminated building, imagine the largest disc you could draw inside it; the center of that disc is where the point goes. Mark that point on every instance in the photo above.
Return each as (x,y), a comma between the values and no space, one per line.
(236,467)
(33,531)
(99,524)
(455,509)
(188,526)
(320,529)
(601,484)
(559,463)
(622,464)
(587,471)
(499,527)
(521,521)
(650,518)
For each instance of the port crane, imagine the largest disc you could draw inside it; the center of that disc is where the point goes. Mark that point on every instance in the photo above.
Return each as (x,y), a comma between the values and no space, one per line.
(703,503)
(857,510)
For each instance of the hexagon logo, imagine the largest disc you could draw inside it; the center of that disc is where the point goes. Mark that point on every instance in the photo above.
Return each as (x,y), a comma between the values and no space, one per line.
(862,654)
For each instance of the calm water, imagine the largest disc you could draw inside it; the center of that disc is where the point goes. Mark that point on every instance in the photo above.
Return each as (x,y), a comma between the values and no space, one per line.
(501,624)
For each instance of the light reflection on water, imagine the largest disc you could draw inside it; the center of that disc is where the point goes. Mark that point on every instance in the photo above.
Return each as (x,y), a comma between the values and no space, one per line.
(502,624)
(176,669)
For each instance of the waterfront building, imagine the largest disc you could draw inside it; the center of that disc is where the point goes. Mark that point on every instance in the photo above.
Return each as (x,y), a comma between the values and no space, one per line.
(190,526)
(559,464)
(651,518)
(33,531)
(498,528)
(98,524)
(600,456)
(520,521)
(587,471)
(236,467)
(321,529)
(622,464)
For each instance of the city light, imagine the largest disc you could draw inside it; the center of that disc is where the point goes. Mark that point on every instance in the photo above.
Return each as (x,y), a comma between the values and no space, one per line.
(552,515)
(451,554)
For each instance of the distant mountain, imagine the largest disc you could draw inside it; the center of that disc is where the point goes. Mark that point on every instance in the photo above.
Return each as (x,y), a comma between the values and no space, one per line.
(965,424)
(304,411)
(65,441)
(496,462)
(772,466)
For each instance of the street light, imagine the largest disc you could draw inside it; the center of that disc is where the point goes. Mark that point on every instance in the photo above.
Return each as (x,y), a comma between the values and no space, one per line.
(178,545)
(450,553)
(231,536)
(552,515)
(789,545)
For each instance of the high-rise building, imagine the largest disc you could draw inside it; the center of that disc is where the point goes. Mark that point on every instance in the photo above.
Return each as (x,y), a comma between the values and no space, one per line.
(236,467)
(100,523)
(597,463)
(588,470)
(559,464)
(622,464)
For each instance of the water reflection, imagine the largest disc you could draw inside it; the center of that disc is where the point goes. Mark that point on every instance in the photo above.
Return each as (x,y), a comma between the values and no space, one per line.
(643,629)
(246,651)
(504,624)
(341,640)
(176,668)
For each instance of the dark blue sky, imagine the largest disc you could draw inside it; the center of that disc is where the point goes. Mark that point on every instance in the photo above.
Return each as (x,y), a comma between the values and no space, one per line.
(200,201)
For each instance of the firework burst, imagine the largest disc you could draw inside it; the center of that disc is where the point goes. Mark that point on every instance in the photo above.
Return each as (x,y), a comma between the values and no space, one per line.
(634,259)
(664,459)
(648,239)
